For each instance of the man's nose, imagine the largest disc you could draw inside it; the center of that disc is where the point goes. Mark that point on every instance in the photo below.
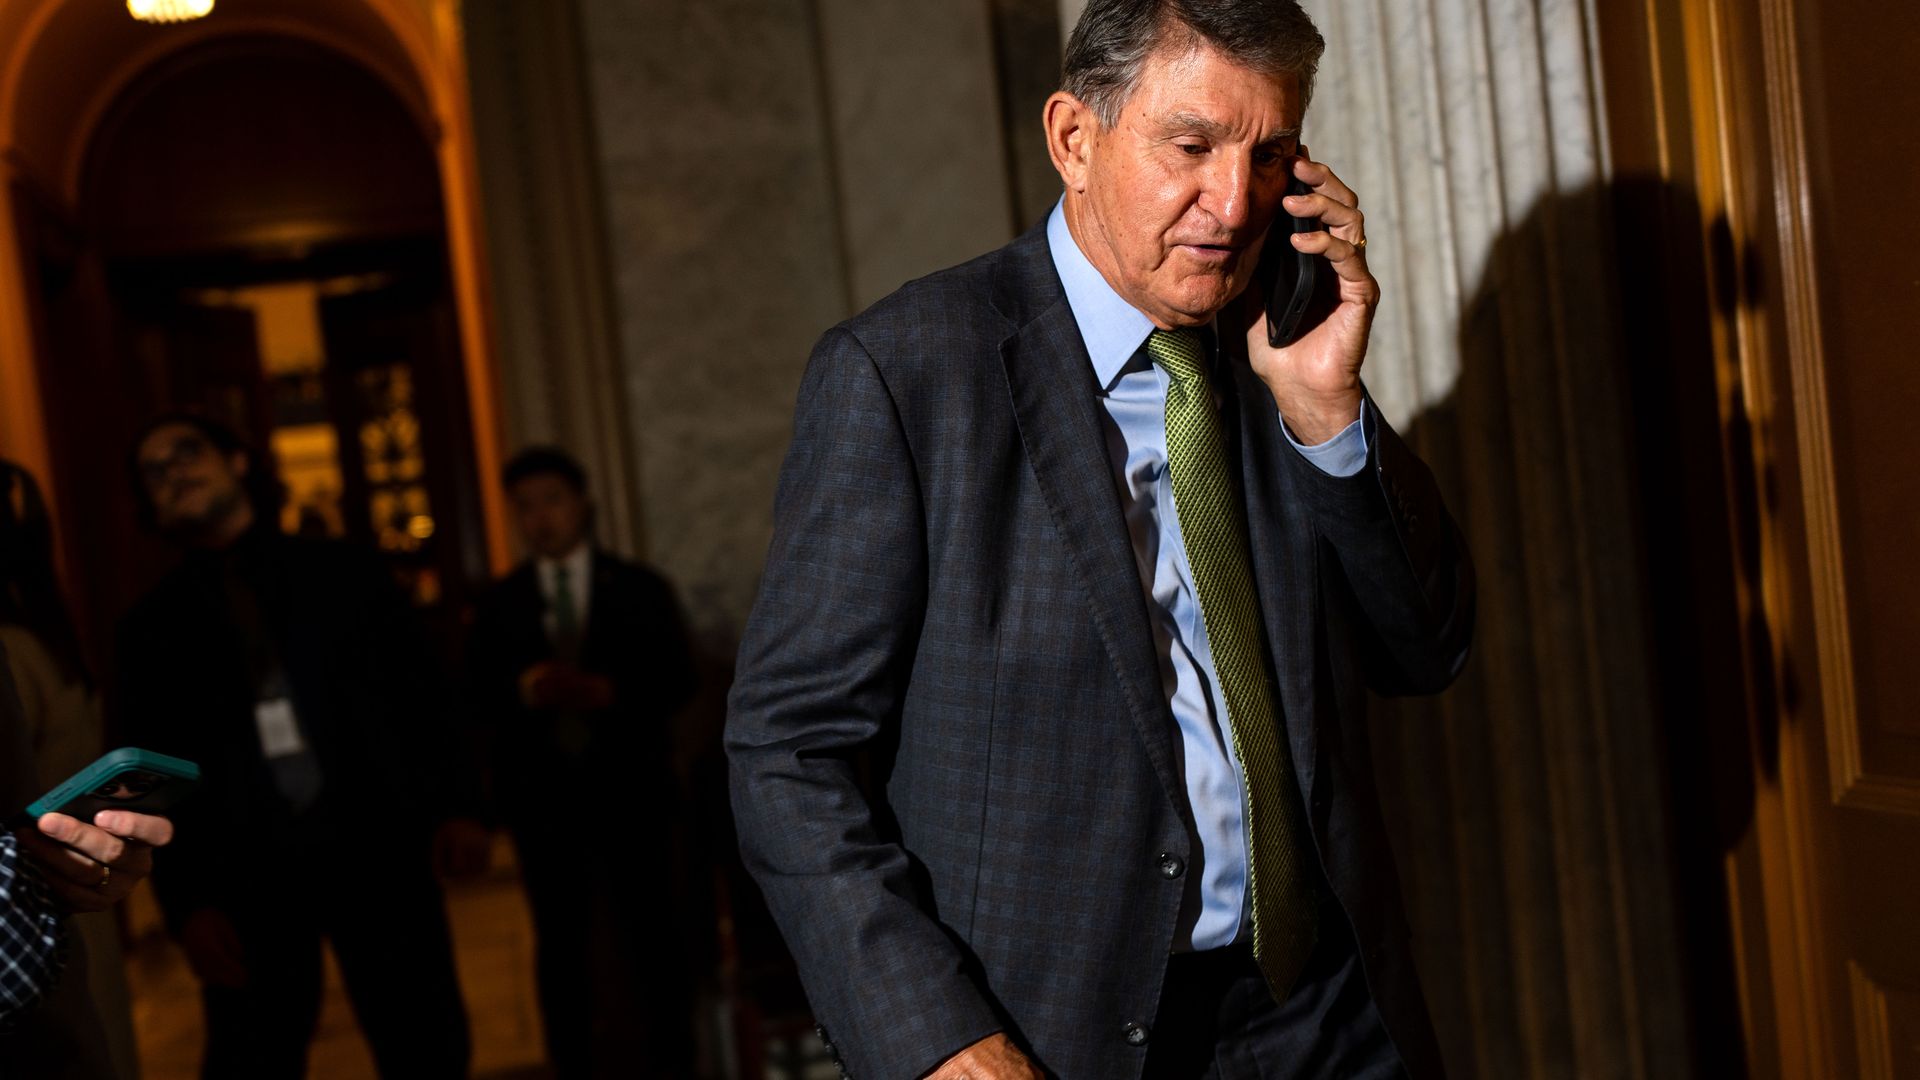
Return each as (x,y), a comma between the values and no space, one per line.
(1229,193)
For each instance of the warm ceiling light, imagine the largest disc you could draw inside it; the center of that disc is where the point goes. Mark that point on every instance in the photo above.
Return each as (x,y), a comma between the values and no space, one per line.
(168,11)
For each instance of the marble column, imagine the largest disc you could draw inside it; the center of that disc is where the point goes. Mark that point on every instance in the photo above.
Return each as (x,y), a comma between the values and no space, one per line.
(769,168)
(727,257)
(919,161)
(1027,43)
(1069,14)
(552,307)
(1528,802)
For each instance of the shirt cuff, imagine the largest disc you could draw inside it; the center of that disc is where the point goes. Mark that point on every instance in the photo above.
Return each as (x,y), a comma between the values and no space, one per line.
(32,936)
(1343,455)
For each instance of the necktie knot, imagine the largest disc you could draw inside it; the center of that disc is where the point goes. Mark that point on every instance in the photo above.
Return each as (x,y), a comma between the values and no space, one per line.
(1182,352)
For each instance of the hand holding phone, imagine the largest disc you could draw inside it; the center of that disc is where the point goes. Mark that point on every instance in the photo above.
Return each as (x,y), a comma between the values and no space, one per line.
(1300,287)
(93,836)
(1319,299)
(92,867)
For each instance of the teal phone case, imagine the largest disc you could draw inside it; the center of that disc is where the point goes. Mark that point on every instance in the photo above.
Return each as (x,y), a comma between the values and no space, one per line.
(125,779)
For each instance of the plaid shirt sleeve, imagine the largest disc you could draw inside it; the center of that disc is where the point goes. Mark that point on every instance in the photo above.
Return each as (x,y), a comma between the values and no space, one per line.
(32,935)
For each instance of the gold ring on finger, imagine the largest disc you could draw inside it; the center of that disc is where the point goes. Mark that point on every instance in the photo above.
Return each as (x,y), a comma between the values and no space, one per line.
(1360,244)
(106,876)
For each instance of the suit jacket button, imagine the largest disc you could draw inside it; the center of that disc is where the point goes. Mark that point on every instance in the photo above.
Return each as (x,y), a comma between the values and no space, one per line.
(1171,865)
(1136,1033)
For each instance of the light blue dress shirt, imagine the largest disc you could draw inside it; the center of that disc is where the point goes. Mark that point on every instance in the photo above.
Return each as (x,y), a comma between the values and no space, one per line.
(1133,392)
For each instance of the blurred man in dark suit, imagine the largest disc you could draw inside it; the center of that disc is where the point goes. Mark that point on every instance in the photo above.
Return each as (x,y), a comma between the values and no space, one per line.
(578,663)
(295,672)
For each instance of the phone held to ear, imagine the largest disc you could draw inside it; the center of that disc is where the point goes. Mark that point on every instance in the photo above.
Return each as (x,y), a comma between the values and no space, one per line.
(1300,287)
(124,779)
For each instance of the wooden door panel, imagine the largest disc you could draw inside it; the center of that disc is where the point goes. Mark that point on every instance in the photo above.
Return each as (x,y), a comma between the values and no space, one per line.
(1840,72)
(1860,69)
(1886,1022)
(1795,134)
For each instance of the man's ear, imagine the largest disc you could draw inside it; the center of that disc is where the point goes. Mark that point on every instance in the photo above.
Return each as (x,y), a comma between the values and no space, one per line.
(1070,128)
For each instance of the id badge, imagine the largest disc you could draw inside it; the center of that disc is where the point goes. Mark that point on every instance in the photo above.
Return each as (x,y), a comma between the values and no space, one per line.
(279,730)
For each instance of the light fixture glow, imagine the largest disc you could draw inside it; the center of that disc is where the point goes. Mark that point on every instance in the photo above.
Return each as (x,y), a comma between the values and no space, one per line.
(168,11)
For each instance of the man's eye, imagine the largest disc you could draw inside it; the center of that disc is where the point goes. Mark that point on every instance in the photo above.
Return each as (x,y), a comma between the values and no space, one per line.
(1191,149)
(1273,155)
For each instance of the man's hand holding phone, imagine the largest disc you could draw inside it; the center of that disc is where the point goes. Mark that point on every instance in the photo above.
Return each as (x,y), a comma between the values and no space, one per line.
(92,867)
(1315,380)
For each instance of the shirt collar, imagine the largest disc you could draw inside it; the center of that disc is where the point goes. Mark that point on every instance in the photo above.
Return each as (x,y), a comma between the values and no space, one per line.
(1112,329)
(579,562)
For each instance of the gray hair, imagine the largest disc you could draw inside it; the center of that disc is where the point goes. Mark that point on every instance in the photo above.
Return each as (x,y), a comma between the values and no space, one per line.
(1112,40)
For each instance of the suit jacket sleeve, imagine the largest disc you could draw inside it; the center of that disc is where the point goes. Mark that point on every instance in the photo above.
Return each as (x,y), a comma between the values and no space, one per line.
(822,673)
(1403,559)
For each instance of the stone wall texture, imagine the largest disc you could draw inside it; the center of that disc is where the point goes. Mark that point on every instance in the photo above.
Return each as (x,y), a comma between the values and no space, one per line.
(768,167)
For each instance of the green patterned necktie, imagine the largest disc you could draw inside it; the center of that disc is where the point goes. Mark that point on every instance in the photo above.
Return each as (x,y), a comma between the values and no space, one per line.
(1285,915)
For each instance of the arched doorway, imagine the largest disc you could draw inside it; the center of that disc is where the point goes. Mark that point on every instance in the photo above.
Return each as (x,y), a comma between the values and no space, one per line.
(260,241)
(269,215)
(266,219)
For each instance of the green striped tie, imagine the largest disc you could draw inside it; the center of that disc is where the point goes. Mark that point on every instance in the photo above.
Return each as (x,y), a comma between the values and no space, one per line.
(1285,922)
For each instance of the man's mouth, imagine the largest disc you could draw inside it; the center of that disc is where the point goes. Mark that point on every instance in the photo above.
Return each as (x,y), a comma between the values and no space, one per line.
(1211,253)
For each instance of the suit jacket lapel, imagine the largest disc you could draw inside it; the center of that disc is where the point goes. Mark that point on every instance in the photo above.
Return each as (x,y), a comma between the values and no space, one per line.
(1284,555)
(599,609)
(529,608)
(1054,402)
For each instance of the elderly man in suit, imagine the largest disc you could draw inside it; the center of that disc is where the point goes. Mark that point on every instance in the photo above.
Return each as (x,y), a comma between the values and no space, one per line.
(1095,580)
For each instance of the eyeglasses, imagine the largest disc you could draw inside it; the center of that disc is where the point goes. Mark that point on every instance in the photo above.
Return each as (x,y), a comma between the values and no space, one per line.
(185,450)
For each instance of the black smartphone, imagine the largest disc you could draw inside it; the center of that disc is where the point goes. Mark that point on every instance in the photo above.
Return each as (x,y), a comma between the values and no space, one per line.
(1300,287)
(123,779)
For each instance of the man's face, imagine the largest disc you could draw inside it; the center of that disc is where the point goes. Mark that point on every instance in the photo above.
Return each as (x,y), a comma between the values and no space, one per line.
(192,485)
(551,514)
(1177,195)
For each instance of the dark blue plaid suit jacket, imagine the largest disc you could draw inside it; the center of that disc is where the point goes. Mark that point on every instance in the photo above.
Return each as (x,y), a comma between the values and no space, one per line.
(950,589)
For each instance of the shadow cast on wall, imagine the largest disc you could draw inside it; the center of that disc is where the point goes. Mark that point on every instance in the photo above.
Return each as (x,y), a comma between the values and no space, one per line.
(1561,814)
